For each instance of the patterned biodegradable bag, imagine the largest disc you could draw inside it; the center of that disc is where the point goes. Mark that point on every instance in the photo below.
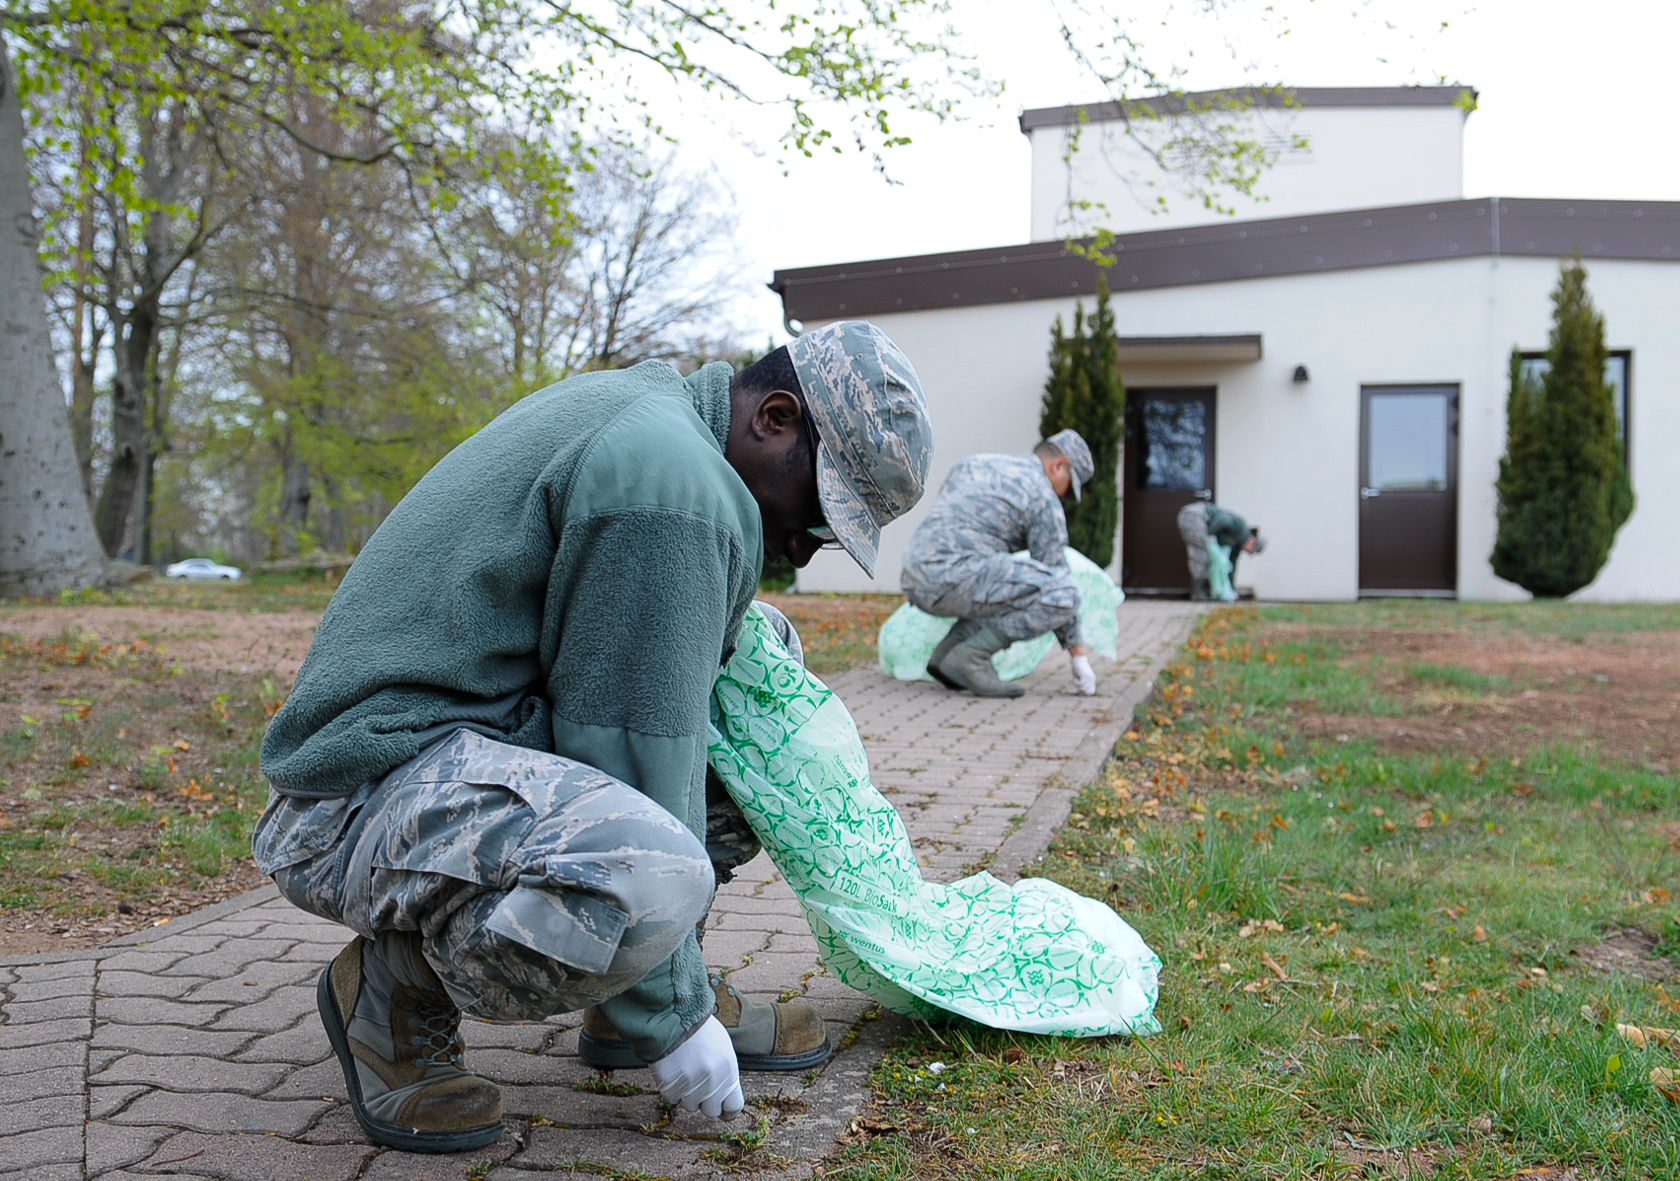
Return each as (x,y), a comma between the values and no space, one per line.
(1033,956)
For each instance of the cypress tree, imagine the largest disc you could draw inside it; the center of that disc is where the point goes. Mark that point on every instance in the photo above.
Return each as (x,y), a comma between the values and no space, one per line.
(1563,482)
(1084,391)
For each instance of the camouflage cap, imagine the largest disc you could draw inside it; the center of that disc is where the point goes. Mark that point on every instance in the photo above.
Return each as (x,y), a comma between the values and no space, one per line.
(1078,455)
(874,441)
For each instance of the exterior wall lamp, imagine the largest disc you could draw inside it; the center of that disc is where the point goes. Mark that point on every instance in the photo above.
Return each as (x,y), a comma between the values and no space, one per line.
(1301,377)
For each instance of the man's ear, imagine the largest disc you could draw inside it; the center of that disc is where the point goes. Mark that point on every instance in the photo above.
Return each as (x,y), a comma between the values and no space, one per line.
(777,412)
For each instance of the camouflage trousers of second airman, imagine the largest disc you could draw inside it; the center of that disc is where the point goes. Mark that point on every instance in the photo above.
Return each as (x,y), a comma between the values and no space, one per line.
(538,884)
(1193,530)
(1019,596)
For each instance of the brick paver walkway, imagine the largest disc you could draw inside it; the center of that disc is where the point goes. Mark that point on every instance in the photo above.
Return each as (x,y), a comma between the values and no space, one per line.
(195,1051)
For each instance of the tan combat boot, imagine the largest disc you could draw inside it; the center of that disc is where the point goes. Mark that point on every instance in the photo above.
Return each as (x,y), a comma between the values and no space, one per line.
(398,1038)
(960,631)
(969,665)
(784,1036)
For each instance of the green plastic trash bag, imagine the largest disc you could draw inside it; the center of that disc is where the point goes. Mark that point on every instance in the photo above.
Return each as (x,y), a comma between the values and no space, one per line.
(1033,956)
(909,635)
(1219,573)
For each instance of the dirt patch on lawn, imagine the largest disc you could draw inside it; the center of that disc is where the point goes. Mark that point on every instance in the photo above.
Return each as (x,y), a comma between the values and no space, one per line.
(1630,952)
(222,641)
(1619,694)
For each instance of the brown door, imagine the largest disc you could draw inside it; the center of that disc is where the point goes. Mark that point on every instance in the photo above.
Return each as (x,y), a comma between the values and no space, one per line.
(1169,463)
(1408,490)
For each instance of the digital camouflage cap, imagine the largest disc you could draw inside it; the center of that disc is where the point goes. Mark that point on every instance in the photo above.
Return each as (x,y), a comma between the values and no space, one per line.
(874,442)
(1080,465)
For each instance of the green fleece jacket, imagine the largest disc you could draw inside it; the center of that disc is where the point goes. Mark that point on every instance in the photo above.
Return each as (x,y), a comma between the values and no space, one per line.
(569,579)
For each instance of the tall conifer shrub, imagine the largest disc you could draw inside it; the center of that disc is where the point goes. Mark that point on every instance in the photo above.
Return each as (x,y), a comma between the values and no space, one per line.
(1085,392)
(1563,482)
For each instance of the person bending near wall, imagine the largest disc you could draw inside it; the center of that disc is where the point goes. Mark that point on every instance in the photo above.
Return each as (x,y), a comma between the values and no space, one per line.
(492,767)
(961,561)
(1199,521)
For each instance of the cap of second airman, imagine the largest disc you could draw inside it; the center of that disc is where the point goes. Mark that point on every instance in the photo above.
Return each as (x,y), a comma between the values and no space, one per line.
(874,441)
(1073,448)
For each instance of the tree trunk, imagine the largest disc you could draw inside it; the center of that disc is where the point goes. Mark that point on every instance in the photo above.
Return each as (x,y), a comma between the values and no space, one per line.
(296,491)
(82,368)
(86,360)
(129,441)
(47,540)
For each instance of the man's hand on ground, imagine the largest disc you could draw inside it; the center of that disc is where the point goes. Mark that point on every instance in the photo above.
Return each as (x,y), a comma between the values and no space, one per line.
(1083,675)
(701,1074)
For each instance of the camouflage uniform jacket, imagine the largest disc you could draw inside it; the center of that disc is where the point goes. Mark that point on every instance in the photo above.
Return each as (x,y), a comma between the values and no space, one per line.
(569,579)
(990,504)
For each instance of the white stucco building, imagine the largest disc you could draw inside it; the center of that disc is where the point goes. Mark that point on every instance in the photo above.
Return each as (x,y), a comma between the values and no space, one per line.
(1331,362)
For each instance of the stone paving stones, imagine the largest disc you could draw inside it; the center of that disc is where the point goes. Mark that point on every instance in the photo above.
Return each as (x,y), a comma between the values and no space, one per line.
(32,1150)
(170,1039)
(145,1010)
(224,1113)
(302,1044)
(112,1146)
(194,1050)
(257,1158)
(193,1072)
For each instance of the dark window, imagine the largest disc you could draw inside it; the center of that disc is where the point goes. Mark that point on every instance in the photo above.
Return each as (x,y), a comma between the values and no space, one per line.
(1171,445)
(1618,372)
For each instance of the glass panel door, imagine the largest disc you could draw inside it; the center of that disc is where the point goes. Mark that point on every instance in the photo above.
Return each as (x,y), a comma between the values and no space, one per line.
(1408,496)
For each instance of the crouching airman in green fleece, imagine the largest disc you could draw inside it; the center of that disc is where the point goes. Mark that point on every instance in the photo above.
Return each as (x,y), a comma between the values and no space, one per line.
(492,766)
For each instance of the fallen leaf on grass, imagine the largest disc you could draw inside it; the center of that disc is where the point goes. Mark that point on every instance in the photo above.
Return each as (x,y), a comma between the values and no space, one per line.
(1424,821)
(1642,1035)
(1478,935)
(1430,986)
(1356,901)
(1655,895)
(1667,1082)
(1273,966)
(1262,926)
(1522,790)
(864,1126)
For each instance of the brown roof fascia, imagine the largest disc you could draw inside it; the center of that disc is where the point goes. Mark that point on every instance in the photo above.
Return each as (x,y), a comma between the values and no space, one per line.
(1245,249)
(1249,96)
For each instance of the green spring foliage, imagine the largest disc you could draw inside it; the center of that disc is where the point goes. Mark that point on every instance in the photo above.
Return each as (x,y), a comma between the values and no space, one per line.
(1563,482)
(1085,392)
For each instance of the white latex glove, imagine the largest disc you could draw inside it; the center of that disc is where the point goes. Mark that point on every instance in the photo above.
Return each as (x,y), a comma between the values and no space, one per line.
(701,1074)
(1083,676)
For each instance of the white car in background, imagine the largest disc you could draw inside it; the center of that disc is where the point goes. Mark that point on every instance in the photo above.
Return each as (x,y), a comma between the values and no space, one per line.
(202,568)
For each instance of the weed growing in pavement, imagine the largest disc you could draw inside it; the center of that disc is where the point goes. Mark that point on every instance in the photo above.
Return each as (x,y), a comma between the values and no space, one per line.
(1378,961)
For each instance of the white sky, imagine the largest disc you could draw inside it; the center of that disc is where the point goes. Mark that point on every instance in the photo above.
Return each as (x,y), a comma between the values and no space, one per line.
(1573,102)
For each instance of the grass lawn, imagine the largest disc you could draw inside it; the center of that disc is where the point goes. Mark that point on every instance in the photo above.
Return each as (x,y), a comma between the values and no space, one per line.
(255,592)
(128,787)
(1407,866)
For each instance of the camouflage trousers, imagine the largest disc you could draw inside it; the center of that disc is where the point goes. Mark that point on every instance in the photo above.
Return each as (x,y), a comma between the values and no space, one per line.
(1019,596)
(1192,528)
(539,885)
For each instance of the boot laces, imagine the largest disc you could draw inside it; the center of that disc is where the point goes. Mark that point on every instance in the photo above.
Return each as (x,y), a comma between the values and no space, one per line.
(439,1027)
